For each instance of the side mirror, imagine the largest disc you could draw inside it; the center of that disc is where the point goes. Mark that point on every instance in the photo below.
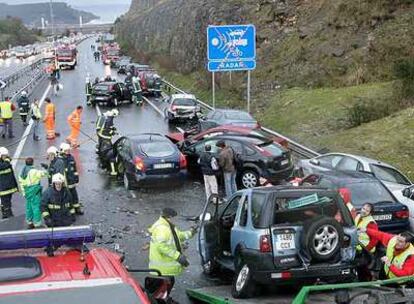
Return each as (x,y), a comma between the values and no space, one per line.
(207,217)
(314,161)
(408,192)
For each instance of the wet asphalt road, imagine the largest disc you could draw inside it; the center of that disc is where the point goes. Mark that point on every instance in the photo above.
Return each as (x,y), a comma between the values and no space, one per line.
(121,217)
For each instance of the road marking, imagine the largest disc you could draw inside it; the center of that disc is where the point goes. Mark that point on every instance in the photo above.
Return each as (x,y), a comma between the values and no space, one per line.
(98,110)
(154,106)
(27,131)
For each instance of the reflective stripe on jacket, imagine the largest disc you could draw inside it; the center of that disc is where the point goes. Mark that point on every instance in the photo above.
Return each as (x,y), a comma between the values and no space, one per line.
(363,237)
(397,260)
(34,177)
(8,183)
(163,253)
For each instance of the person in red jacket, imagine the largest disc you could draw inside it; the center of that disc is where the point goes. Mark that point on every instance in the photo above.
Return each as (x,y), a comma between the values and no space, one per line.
(399,258)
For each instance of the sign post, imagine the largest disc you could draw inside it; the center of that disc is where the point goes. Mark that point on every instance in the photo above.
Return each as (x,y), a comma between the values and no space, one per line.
(214,90)
(231,48)
(2,87)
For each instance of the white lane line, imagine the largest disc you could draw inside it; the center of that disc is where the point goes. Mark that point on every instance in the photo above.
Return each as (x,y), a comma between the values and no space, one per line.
(98,110)
(27,132)
(154,106)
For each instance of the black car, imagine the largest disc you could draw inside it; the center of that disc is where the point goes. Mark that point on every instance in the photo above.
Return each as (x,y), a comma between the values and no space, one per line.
(390,214)
(110,93)
(146,158)
(255,157)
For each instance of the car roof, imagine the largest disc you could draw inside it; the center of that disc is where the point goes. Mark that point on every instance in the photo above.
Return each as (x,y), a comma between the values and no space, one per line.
(240,137)
(147,137)
(229,111)
(189,96)
(347,176)
(363,159)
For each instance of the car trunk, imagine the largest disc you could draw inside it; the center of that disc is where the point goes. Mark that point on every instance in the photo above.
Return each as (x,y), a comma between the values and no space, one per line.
(281,162)
(386,213)
(164,165)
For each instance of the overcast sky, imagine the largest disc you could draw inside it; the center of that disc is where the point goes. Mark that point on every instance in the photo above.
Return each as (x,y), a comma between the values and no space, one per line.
(71,2)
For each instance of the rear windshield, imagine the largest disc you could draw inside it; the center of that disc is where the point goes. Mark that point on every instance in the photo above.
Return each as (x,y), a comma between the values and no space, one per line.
(389,175)
(272,148)
(157,149)
(185,102)
(237,116)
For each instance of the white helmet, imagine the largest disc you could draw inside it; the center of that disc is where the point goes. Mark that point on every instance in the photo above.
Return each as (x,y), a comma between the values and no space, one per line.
(108,113)
(3,151)
(64,147)
(52,150)
(115,112)
(24,93)
(58,178)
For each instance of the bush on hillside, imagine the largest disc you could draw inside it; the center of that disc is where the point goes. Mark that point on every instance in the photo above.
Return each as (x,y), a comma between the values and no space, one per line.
(366,110)
(404,72)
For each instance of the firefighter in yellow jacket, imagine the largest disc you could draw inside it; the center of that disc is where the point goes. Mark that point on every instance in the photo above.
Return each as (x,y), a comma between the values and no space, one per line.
(166,252)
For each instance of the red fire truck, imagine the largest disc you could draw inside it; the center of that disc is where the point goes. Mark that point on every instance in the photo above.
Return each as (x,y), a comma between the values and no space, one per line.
(66,56)
(110,54)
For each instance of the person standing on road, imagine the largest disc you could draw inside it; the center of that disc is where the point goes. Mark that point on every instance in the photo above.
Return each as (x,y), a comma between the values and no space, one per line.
(166,253)
(105,131)
(8,183)
(54,82)
(74,121)
(71,175)
(56,164)
(49,120)
(56,206)
(226,162)
(209,167)
(31,189)
(24,107)
(367,245)
(36,116)
(6,110)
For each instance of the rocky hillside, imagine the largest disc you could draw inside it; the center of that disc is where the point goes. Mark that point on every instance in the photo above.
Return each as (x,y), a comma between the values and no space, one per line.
(307,43)
(31,14)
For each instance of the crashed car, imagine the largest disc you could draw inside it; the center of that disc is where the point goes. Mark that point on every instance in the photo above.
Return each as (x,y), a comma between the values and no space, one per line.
(181,107)
(54,265)
(150,82)
(282,234)
(113,93)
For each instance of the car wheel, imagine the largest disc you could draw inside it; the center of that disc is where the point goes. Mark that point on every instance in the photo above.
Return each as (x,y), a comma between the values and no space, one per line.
(249,179)
(243,284)
(323,238)
(128,183)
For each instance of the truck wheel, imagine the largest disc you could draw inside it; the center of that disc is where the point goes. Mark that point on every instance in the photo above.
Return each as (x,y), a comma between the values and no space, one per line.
(249,179)
(323,238)
(243,285)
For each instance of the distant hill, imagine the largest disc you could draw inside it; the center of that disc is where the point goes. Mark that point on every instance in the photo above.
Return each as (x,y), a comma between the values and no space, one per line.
(13,32)
(31,14)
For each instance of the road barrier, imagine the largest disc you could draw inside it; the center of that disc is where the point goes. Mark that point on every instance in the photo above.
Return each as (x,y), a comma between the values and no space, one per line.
(301,150)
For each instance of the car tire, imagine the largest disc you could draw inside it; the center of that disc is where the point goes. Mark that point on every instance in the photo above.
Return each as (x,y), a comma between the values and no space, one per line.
(243,285)
(322,238)
(128,181)
(249,179)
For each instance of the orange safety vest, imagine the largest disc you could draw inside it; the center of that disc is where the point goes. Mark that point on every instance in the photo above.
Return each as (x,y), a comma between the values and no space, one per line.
(50,111)
(74,118)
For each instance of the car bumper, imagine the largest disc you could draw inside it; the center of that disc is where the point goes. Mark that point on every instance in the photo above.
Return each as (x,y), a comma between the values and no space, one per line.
(276,176)
(394,227)
(160,179)
(183,116)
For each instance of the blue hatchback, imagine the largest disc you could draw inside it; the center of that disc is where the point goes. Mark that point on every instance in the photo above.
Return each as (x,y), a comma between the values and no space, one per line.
(147,159)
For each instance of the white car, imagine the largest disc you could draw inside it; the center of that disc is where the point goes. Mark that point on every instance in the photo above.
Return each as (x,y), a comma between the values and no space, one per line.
(390,176)
(182,107)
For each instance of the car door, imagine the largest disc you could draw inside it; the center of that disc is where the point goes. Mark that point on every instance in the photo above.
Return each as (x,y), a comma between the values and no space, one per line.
(227,219)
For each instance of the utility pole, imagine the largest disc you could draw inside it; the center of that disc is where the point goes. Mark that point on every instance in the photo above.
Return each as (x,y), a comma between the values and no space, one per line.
(51,19)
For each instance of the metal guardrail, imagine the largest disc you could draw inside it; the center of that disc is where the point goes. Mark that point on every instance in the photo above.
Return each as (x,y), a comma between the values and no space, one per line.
(296,147)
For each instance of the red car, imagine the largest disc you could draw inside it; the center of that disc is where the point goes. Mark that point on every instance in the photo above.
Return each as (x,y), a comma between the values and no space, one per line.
(67,272)
(192,136)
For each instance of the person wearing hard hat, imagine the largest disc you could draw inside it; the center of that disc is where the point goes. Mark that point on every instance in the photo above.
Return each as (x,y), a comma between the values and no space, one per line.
(8,183)
(105,135)
(56,164)
(24,106)
(56,206)
(166,252)
(31,189)
(74,121)
(6,111)
(71,175)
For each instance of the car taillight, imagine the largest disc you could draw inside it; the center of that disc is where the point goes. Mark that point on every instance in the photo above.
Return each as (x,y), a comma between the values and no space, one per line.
(139,163)
(281,275)
(183,161)
(265,245)
(402,214)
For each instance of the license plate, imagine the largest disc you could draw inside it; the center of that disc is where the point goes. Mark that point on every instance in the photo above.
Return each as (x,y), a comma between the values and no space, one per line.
(383,217)
(285,241)
(99,98)
(163,166)
(284,162)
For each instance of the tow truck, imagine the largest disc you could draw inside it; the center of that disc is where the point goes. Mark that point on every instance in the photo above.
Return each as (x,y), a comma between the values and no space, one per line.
(54,265)
(66,56)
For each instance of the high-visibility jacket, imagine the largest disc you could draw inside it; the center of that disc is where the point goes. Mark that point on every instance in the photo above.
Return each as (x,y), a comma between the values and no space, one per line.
(57,205)
(8,183)
(74,119)
(363,237)
(397,260)
(6,109)
(108,129)
(163,253)
(50,111)
(35,112)
(30,178)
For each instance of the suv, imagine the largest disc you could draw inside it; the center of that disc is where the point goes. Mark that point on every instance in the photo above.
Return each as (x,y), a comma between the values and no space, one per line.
(281,234)
(113,93)
(181,107)
(390,214)
(255,157)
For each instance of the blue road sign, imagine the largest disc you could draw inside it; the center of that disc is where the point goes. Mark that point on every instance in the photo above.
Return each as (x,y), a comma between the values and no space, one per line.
(231,43)
(225,66)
